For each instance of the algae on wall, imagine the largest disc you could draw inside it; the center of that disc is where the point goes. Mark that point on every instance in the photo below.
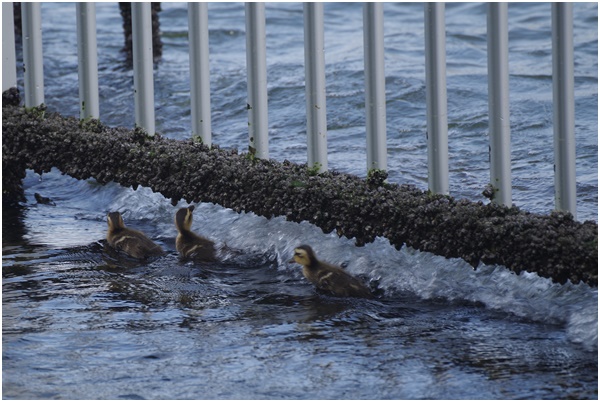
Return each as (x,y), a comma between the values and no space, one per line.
(553,246)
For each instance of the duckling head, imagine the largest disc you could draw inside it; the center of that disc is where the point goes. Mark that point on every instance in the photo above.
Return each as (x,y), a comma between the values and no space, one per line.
(304,255)
(115,221)
(184,217)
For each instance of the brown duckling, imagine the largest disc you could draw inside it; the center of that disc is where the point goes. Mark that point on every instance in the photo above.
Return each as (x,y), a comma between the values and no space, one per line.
(189,244)
(327,277)
(132,242)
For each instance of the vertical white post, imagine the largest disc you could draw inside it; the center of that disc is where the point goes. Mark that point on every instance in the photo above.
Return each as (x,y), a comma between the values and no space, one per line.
(9,59)
(33,60)
(143,81)
(564,108)
(437,109)
(499,115)
(89,103)
(374,86)
(314,67)
(256,64)
(199,71)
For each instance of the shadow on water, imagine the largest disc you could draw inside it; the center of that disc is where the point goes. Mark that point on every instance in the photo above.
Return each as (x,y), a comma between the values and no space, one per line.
(13,229)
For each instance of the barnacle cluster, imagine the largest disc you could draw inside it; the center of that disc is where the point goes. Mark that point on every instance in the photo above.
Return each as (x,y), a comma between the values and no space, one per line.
(554,246)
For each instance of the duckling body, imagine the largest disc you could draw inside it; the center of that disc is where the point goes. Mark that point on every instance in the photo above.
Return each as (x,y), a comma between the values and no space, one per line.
(131,241)
(328,278)
(189,244)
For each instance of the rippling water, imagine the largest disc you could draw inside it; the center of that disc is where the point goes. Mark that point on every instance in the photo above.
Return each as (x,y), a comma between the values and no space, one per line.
(79,322)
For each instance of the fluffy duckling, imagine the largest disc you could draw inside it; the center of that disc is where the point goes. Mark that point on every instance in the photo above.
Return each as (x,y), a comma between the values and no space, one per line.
(188,243)
(327,277)
(132,242)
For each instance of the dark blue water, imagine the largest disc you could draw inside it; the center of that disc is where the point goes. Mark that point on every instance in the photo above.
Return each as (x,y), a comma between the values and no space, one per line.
(79,324)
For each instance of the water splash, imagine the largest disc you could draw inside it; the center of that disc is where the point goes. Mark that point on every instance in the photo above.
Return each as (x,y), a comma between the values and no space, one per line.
(425,275)
(263,241)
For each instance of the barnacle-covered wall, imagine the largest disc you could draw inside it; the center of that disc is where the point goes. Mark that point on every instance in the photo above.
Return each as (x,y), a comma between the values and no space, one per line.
(554,246)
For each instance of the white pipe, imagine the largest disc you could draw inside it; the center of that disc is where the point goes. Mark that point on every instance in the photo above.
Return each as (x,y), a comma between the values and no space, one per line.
(314,67)
(33,60)
(499,115)
(199,71)
(9,58)
(437,109)
(88,61)
(564,108)
(374,86)
(143,80)
(256,64)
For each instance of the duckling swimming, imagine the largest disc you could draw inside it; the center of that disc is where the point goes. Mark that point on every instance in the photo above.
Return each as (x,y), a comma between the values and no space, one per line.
(188,243)
(327,277)
(132,242)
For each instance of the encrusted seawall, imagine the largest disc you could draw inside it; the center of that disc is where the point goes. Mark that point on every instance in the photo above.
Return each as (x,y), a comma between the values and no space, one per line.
(554,246)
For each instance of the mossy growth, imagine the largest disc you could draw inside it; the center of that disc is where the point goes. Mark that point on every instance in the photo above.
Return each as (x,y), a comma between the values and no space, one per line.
(196,139)
(489,191)
(91,124)
(251,155)
(377,177)
(140,135)
(315,169)
(38,112)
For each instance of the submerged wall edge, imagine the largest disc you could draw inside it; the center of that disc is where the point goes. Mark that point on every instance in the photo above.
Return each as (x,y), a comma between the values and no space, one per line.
(554,246)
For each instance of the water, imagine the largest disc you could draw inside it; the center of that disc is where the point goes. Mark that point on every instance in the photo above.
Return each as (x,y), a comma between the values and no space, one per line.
(79,324)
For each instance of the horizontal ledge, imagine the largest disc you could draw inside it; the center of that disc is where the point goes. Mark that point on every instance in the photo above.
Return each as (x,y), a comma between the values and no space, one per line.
(553,246)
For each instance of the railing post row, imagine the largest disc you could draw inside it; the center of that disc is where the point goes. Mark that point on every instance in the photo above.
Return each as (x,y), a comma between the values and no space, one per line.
(374,86)
(89,101)
(314,67)
(9,58)
(436,95)
(256,64)
(199,71)
(499,115)
(564,108)
(436,92)
(33,60)
(143,78)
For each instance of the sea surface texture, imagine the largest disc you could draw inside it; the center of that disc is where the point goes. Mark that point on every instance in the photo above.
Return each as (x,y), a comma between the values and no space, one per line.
(80,322)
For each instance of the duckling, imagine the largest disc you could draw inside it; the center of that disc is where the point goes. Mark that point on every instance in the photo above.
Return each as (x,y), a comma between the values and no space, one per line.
(43,200)
(188,243)
(327,277)
(132,242)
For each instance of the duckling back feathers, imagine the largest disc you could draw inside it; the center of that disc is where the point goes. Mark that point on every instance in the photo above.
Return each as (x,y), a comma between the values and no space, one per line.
(188,243)
(132,242)
(327,277)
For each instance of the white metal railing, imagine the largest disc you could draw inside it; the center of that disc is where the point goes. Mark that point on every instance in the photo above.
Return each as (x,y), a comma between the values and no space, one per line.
(564,107)
(497,41)
(435,62)
(199,71)
(33,66)
(437,105)
(87,51)
(374,86)
(143,66)
(314,67)
(256,64)
(9,57)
